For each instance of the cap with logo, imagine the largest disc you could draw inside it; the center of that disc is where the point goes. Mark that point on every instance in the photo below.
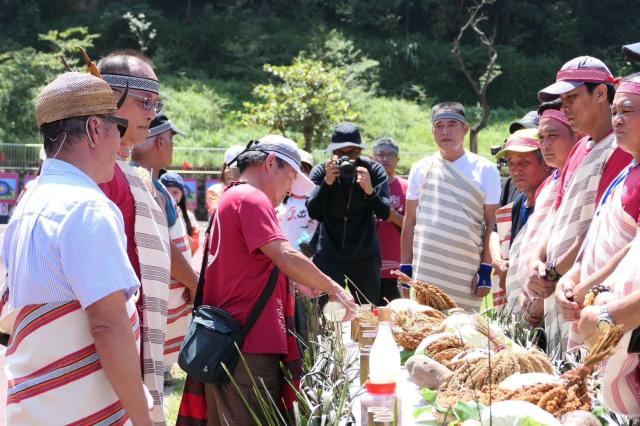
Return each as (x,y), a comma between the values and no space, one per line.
(161,124)
(287,150)
(575,73)
(521,141)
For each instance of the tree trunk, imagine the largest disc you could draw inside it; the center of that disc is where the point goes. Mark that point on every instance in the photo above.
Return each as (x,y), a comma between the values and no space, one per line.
(473,140)
(308,138)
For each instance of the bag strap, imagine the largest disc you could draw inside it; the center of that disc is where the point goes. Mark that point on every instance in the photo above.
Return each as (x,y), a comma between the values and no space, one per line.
(264,297)
(262,302)
(203,268)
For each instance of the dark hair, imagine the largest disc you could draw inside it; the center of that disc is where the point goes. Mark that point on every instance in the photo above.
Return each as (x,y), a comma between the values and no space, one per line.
(448,106)
(122,61)
(554,104)
(250,158)
(185,213)
(611,91)
(53,134)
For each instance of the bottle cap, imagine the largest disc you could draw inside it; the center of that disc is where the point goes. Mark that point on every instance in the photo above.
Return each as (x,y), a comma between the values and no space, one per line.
(381,388)
(384,314)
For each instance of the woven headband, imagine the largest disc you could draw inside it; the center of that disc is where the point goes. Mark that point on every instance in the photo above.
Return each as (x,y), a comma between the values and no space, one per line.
(590,75)
(140,83)
(448,115)
(556,115)
(629,87)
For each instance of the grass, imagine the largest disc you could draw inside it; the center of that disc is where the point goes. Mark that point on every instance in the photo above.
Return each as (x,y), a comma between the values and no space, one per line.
(173,393)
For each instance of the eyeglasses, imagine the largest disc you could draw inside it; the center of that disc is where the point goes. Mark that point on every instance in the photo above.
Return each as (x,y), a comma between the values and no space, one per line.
(148,103)
(388,155)
(122,123)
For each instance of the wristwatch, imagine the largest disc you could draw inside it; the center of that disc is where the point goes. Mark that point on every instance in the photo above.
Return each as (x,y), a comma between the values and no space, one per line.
(551,274)
(604,321)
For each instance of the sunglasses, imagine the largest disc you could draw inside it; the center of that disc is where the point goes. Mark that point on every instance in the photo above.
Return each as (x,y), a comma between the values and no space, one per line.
(148,103)
(122,123)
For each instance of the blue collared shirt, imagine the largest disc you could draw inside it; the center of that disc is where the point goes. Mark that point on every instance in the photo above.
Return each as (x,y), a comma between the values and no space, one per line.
(65,242)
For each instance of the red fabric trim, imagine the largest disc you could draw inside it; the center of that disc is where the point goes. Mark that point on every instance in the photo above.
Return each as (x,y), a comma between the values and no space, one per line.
(629,87)
(590,75)
(103,414)
(556,115)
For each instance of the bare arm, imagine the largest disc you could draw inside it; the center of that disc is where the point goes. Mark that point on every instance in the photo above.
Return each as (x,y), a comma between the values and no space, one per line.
(395,218)
(490,222)
(300,269)
(181,270)
(116,346)
(408,227)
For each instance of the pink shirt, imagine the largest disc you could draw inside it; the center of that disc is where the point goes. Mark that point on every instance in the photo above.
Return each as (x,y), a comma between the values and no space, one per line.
(388,233)
(617,162)
(235,280)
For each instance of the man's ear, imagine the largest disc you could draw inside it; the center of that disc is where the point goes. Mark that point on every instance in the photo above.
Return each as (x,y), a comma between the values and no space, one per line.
(160,141)
(466,128)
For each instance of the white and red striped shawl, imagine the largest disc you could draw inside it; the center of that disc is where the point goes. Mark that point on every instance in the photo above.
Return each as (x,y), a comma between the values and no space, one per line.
(503,225)
(152,244)
(572,219)
(178,310)
(621,377)
(447,243)
(527,240)
(53,370)
(611,230)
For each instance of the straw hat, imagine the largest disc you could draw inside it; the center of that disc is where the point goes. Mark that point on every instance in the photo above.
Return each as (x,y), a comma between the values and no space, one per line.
(74,94)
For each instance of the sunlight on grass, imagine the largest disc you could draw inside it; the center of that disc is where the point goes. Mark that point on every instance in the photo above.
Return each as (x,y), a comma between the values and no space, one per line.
(173,393)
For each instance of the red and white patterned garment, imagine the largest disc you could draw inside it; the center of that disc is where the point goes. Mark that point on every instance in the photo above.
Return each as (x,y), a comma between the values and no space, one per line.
(528,239)
(503,224)
(178,309)
(613,227)
(621,377)
(65,383)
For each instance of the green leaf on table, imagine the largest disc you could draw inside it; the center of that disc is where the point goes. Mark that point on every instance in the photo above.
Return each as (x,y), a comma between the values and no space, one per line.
(468,410)
(528,421)
(429,395)
(424,414)
(601,414)
(405,355)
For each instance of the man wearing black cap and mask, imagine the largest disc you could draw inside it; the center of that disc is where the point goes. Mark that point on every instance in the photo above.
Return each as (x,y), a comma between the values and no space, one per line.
(351,191)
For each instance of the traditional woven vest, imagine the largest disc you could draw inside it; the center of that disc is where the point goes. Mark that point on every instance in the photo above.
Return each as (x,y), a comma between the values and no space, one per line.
(178,310)
(54,372)
(447,242)
(571,220)
(611,229)
(152,244)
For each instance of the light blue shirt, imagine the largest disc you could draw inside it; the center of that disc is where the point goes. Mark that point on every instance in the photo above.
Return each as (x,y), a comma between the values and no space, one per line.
(65,242)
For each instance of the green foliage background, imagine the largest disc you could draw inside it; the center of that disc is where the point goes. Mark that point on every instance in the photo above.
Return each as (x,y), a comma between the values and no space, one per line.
(394,56)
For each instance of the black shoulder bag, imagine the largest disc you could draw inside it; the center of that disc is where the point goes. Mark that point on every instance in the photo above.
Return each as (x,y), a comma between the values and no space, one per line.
(213,334)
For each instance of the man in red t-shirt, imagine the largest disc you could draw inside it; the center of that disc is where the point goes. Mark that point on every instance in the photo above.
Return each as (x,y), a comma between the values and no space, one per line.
(386,152)
(246,243)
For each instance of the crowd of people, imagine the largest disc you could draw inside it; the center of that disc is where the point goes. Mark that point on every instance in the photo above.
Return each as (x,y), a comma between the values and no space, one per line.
(99,251)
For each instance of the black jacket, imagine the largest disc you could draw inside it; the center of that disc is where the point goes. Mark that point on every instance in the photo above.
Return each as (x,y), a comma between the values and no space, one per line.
(347,228)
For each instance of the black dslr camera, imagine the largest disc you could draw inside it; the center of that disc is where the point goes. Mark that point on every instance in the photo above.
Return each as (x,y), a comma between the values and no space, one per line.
(347,168)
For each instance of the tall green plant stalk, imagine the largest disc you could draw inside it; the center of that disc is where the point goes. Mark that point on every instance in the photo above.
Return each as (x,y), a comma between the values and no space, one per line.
(328,373)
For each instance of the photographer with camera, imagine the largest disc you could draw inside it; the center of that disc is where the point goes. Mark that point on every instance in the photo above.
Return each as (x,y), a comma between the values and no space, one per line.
(351,192)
